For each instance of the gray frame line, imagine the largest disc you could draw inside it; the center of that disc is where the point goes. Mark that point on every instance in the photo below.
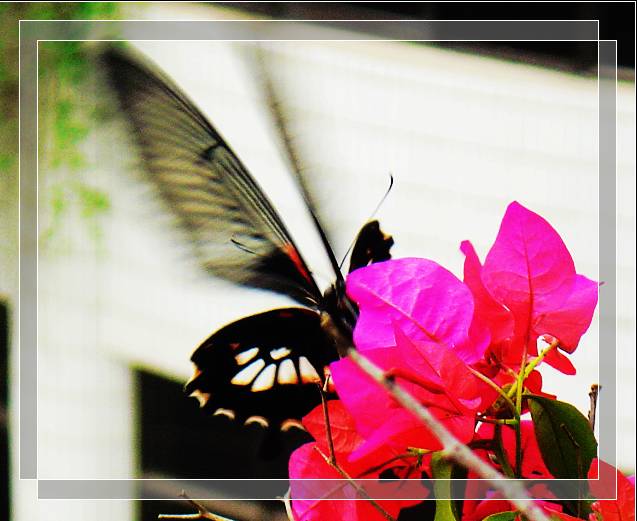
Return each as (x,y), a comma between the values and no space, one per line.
(33,31)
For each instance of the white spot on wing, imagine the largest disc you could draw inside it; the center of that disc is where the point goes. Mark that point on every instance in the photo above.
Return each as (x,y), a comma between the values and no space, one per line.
(246,356)
(287,373)
(308,373)
(257,419)
(265,380)
(292,424)
(229,413)
(279,353)
(247,374)
(202,398)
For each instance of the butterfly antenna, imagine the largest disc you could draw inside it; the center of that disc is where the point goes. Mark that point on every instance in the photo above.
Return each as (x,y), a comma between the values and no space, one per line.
(371,216)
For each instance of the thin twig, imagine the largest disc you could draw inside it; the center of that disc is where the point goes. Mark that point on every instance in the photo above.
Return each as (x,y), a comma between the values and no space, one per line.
(202,512)
(592,413)
(453,449)
(287,502)
(328,426)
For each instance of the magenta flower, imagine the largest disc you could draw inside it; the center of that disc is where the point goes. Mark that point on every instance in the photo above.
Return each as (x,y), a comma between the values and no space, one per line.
(527,288)
(426,301)
(315,485)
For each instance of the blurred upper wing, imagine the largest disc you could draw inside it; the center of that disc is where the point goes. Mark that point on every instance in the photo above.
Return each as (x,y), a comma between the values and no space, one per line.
(237,233)
(281,123)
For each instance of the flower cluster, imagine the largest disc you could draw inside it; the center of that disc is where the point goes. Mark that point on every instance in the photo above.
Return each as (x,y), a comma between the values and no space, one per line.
(467,350)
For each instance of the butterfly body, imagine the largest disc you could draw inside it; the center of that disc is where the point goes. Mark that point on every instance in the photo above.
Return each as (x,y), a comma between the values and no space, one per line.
(282,353)
(266,368)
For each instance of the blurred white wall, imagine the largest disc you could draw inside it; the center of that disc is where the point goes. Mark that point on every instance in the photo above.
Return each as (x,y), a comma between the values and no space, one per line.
(463,136)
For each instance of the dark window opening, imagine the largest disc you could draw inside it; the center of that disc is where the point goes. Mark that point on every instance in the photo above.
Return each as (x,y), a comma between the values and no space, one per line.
(4,419)
(177,440)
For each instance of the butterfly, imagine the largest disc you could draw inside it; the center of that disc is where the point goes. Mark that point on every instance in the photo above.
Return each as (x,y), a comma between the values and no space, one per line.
(265,368)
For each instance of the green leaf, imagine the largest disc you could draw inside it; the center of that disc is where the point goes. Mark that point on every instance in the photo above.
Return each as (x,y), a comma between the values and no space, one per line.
(93,201)
(565,437)
(503,516)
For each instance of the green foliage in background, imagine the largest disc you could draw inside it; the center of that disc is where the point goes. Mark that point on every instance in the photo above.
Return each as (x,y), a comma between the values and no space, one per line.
(66,116)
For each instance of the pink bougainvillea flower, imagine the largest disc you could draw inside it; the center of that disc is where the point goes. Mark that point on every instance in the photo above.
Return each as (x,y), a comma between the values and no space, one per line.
(432,373)
(315,485)
(620,509)
(529,275)
(428,302)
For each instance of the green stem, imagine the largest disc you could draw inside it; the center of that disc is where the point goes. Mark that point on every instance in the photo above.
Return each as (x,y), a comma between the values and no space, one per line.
(508,421)
(530,367)
(516,389)
(518,408)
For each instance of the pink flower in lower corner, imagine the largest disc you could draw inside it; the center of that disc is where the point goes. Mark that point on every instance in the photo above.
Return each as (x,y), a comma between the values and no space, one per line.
(319,492)
(527,288)
(608,482)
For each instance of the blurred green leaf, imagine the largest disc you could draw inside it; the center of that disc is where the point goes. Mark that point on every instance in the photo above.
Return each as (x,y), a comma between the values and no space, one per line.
(93,202)
(7,161)
(67,113)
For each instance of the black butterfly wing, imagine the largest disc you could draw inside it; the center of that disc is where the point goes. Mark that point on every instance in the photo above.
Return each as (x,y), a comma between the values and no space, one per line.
(237,233)
(265,368)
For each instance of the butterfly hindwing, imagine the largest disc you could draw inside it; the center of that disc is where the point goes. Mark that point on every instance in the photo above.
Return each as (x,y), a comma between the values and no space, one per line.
(268,365)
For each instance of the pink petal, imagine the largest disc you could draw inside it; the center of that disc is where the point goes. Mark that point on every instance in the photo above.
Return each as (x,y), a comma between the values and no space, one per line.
(405,430)
(528,269)
(365,400)
(383,422)
(309,473)
(572,319)
(560,362)
(345,438)
(428,303)
(489,313)
(442,366)
(604,485)
(318,492)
